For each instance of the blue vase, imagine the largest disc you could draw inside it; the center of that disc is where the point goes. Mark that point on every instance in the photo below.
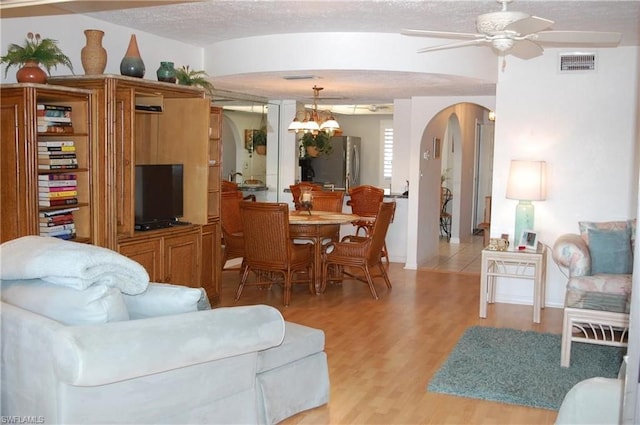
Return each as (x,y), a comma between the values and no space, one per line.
(166,72)
(132,64)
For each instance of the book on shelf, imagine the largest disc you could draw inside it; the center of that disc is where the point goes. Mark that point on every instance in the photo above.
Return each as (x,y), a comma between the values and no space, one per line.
(47,189)
(43,120)
(51,229)
(57,202)
(55,143)
(57,166)
(56,155)
(58,176)
(62,194)
(57,128)
(65,237)
(57,161)
(48,184)
(51,107)
(53,113)
(59,232)
(61,211)
(56,220)
(56,149)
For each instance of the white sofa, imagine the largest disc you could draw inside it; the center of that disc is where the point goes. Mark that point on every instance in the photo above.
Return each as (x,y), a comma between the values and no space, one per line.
(227,365)
(148,353)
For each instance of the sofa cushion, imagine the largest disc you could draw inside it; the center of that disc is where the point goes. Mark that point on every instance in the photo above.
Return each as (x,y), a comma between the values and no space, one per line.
(585,226)
(161,299)
(95,305)
(299,342)
(605,292)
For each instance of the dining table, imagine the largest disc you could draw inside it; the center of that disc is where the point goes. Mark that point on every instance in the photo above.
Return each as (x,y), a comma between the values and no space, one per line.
(317,226)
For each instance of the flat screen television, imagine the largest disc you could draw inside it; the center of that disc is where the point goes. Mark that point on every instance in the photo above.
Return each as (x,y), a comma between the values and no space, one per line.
(159,191)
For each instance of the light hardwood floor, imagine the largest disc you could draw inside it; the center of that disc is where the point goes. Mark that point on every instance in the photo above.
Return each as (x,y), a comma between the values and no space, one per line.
(382,354)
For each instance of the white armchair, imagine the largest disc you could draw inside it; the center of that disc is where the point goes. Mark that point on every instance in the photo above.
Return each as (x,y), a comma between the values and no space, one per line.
(599,264)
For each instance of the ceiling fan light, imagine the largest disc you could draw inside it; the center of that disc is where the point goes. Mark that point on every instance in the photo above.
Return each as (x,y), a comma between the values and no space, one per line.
(502,44)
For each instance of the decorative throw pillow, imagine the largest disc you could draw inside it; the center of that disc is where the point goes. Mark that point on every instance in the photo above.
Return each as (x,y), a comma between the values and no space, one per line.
(161,299)
(610,251)
(95,305)
(585,226)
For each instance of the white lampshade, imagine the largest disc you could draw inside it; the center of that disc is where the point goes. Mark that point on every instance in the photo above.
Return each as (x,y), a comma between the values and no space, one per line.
(295,125)
(527,181)
(330,124)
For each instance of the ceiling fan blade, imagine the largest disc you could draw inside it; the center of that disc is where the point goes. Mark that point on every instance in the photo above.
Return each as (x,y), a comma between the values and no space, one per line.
(529,25)
(525,49)
(604,39)
(453,45)
(441,34)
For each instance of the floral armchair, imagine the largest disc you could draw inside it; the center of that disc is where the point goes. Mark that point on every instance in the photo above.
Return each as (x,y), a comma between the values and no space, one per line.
(599,262)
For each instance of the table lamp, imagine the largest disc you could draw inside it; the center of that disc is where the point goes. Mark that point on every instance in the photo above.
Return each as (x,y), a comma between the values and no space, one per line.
(527,182)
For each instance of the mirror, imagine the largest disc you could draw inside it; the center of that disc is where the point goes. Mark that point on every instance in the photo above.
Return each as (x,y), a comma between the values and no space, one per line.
(244,138)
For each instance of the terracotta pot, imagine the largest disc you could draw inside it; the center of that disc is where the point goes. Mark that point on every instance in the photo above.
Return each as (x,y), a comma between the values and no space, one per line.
(93,55)
(312,151)
(31,73)
(261,150)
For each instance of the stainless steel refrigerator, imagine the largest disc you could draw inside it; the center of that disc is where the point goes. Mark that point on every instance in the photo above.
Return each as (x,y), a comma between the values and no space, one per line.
(341,167)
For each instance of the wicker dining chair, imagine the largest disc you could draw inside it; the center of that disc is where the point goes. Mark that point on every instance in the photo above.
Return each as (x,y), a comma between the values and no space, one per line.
(361,252)
(270,252)
(296,191)
(229,186)
(364,202)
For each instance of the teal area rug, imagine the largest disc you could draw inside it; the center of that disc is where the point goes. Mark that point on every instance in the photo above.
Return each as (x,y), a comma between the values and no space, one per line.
(519,367)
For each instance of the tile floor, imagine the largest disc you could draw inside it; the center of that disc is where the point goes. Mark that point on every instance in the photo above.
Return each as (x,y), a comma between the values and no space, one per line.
(453,257)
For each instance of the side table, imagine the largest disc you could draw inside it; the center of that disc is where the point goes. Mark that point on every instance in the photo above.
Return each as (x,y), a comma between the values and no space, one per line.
(515,264)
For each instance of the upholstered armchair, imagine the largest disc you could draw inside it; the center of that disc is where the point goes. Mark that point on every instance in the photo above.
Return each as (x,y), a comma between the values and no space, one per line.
(599,263)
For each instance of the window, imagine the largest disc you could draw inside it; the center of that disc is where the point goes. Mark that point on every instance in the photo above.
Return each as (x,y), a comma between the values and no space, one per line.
(387,150)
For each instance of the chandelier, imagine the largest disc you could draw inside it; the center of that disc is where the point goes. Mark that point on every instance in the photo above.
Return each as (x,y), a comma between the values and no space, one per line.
(312,122)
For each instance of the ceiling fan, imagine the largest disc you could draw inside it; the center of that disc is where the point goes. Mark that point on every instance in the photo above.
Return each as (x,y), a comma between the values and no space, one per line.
(518,34)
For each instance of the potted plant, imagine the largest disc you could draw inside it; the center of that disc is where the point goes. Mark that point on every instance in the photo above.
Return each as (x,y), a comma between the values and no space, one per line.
(191,77)
(36,51)
(317,144)
(260,141)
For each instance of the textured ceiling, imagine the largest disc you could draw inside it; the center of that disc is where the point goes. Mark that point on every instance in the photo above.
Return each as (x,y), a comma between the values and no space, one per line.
(202,23)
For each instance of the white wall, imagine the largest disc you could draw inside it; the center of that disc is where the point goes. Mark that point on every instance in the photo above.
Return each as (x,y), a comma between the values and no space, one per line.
(584,126)
(68,31)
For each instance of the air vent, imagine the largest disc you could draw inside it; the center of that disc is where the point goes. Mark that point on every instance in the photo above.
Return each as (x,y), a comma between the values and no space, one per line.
(570,62)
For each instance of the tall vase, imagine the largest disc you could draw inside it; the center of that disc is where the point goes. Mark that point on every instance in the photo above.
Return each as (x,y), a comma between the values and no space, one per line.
(31,73)
(132,65)
(93,55)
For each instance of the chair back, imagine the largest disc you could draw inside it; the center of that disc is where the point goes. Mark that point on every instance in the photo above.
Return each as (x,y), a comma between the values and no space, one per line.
(266,234)
(328,201)
(365,200)
(296,191)
(230,212)
(445,198)
(229,186)
(385,213)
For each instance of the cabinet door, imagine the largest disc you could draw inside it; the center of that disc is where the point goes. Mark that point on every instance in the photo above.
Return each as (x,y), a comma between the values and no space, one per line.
(181,259)
(211,261)
(146,252)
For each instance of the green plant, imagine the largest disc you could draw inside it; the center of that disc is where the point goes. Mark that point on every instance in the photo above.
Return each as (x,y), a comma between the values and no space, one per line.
(260,137)
(45,51)
(321,141)
(191,77)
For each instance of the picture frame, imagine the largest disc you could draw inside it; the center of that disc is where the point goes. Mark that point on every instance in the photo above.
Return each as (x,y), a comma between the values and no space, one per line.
(437,145)
(529,240)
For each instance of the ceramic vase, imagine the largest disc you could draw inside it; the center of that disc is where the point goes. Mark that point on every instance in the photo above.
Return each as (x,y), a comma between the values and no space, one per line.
(166,72)
(31,73)
(93,55)
(132,64)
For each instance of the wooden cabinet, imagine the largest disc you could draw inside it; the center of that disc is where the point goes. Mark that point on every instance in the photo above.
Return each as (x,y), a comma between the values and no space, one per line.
(26,144)
(147,122)
(168,255)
